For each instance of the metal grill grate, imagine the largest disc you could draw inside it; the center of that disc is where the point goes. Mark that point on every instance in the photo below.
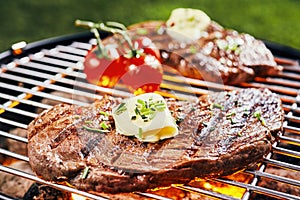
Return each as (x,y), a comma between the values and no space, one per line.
(48,72)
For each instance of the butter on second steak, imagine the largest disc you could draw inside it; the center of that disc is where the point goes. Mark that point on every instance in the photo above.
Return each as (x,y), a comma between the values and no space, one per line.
(187,24)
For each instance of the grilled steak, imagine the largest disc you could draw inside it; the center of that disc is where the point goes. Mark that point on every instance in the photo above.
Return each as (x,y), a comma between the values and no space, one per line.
(219,134)
(221,55)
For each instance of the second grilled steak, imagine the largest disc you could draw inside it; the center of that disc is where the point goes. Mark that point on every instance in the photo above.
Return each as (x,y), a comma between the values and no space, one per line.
(218,135)
(220,55)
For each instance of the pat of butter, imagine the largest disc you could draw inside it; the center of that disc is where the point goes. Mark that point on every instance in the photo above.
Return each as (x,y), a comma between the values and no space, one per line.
(146,117)
(187,24)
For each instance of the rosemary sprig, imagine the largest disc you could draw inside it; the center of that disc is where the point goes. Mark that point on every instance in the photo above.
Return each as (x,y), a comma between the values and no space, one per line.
(121,108)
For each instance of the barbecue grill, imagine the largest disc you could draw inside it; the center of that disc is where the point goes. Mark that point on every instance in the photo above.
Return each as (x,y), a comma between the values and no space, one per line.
(33,72)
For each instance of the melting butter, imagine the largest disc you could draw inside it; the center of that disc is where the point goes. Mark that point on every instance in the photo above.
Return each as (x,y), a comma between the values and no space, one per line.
(146,117)
(187,24)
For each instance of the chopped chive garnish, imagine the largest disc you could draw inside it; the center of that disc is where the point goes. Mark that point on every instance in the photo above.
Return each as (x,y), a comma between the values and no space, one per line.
(257,115)
(104,113)
(85,173)
(104,126)
(193,49)
(94,129)
(121,108)
(239,134)
(146,109)
(216,105)
(76,116)
(231,120)
(88,122)
(230,114)
(137,112)
(263,122)
(140,101)
(140,132)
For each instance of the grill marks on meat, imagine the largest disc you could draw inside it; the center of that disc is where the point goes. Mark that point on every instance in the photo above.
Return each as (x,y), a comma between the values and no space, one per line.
(221,55)
(209,143)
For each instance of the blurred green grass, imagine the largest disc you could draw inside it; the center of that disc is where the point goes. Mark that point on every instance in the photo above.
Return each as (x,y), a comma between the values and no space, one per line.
(32,20)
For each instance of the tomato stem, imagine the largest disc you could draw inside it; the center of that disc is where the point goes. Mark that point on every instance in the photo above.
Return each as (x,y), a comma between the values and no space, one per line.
(112,27)
(95,31)
(122,32)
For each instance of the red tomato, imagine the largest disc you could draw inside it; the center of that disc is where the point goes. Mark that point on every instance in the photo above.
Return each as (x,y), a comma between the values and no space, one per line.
(143,73)
(140,70)
(102,70)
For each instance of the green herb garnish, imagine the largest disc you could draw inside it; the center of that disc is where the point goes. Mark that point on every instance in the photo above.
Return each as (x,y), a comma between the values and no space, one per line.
(257,115)
(121,108)
(94,129)
(231,120)
(104,126)
(104,113)
(193,49)
(148,109)
(85,173)
(229,117)
(239,134)
(230,114)
(216,105)
(140,132)
(88,122)
(76,116)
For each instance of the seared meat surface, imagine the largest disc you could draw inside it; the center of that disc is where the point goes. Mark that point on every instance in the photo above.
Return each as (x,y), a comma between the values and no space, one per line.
(220,55)
(219,134)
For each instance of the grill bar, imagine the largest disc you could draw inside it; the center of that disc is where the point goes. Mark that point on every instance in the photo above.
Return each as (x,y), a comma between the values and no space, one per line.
(22,99)
(14,137)
(286,152)
(5,197)
(269,192)
(14,155)
(282,164)
(14,123)
(274,177)
(36,92)
(59,69)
